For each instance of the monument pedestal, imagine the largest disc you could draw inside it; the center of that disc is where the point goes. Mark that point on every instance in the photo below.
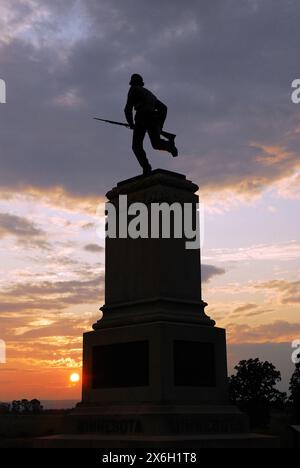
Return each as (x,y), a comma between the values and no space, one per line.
(154,368)
(155,362)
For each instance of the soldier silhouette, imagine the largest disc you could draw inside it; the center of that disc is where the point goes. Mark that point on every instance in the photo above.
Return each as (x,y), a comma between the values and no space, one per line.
(149,118)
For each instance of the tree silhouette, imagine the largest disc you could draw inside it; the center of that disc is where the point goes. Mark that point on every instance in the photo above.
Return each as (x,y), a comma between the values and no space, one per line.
(294,399)
(35,406)
(253,390)
(26,406)
(16,406)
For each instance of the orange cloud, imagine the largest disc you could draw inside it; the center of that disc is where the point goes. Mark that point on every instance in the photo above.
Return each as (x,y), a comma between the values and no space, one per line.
(55,197)
(271,155)
(277,332)
(289,291)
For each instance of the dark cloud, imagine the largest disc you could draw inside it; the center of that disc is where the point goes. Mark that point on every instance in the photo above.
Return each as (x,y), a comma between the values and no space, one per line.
(88,226)
(249,310)
(24,306)
(209,271)
(245,308)
(258,312)
(223,67)
(25,231)
(17,226)
(93,248)
(72,287)
(21,301)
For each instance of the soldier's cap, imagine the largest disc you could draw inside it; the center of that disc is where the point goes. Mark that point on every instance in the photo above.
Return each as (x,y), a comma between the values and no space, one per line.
(136,80)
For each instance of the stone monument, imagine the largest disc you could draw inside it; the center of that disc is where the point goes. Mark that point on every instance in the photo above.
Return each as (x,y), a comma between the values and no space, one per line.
(155,364)
(154,367)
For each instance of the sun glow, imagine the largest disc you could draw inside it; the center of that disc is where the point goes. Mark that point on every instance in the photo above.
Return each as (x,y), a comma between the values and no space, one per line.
(74,378)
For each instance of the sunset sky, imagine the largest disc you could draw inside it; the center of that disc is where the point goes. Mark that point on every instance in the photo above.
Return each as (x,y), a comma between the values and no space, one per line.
(224,68)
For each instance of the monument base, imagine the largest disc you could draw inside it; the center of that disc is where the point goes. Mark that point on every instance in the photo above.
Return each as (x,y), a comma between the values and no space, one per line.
(156,385)
(157,426)
(154,363)
(144,419)
(171,442)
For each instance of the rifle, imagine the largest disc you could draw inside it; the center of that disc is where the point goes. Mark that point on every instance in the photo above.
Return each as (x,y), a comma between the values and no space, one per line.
(169,136)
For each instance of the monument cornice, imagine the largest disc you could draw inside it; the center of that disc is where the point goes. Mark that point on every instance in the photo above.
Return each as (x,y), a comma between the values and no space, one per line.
(160,178)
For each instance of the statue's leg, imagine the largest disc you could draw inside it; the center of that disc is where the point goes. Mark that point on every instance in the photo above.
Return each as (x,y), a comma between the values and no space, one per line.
(139,133)
(159,143)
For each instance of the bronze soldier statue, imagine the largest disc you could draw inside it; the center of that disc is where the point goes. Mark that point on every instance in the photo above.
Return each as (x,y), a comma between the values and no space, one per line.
(149,118)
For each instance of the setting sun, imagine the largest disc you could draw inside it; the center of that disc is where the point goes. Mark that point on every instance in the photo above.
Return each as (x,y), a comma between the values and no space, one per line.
(74,378)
